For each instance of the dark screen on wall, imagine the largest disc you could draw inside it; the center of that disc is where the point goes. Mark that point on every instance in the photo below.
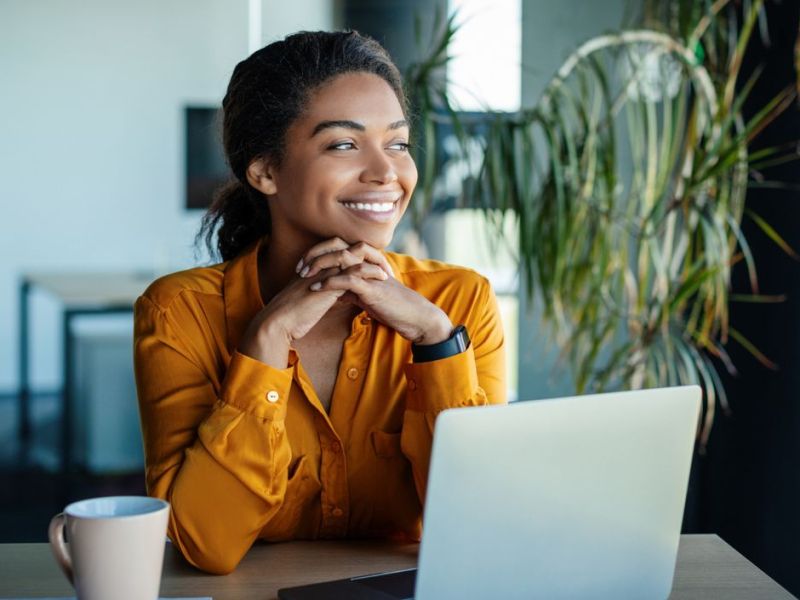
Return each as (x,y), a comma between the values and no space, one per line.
(206,169)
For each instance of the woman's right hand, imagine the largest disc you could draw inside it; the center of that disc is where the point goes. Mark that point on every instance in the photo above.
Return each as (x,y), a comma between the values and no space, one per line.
(292,313)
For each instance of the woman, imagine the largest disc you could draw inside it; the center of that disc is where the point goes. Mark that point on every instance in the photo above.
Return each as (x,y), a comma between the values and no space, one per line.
(290,392)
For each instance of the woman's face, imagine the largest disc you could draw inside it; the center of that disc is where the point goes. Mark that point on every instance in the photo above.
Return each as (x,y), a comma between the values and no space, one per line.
(346,170)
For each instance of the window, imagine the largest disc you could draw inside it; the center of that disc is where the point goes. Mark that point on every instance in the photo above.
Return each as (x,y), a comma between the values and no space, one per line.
(484,68)
(484,74)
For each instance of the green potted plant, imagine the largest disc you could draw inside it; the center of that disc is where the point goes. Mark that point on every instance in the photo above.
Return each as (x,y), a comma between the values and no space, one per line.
(627,182)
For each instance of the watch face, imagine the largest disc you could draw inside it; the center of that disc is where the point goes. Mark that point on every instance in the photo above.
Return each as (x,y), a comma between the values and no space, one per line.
(462,338)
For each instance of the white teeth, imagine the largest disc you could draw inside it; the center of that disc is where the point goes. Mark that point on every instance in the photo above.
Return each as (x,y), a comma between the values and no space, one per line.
(371,206)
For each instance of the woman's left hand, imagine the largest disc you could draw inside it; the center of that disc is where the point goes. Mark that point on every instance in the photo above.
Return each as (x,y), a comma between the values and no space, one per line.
(388,301)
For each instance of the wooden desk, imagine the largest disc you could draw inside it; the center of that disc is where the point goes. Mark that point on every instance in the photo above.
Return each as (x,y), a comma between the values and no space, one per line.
(707,569)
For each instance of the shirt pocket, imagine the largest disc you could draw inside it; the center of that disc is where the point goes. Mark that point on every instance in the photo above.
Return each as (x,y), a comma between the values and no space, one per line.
(302,491)
(395,506)
(386,445)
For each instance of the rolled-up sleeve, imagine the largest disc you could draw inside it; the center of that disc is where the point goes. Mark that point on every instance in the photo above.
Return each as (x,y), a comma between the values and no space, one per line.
(219,457)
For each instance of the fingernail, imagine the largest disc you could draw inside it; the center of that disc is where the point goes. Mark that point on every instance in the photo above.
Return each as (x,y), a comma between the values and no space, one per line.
(316,286)
(305,271)
(299,266)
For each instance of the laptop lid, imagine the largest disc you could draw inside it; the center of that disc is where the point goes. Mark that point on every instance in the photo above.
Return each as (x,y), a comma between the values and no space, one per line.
(568,498)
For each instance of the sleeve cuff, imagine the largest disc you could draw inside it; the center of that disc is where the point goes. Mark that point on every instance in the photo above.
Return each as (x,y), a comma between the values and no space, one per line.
(446,383)
(257,388)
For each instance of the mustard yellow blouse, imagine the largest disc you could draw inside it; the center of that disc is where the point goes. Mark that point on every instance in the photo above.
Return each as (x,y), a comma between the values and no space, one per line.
(244,451)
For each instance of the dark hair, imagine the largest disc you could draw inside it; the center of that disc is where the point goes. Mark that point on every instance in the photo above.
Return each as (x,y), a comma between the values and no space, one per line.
(267,92)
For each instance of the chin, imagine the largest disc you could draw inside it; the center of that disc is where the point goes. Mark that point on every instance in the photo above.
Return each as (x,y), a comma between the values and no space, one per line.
(379,240)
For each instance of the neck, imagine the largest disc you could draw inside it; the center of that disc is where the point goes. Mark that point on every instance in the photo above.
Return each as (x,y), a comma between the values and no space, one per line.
(276,264)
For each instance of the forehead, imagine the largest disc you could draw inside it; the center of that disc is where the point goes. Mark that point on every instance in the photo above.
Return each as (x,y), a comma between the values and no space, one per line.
(360,97)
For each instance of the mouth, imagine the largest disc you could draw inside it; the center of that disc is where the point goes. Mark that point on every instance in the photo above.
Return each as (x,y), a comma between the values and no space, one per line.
(376,207)
(373,206)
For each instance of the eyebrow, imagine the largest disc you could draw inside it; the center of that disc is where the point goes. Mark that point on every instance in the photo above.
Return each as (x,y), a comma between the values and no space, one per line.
(346,124)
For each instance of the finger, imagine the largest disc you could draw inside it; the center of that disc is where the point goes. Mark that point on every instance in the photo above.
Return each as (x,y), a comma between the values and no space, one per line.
(322,274)
(346,258)
(367,270)
(371,254)
(339,259)
(325,247)
(346,283)
(353,279)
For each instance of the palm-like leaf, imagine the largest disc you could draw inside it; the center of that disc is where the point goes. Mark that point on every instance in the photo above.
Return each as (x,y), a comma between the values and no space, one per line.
(627,181)
(630,221)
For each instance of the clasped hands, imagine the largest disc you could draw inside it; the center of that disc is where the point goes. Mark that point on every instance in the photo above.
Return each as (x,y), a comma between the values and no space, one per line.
(335,271)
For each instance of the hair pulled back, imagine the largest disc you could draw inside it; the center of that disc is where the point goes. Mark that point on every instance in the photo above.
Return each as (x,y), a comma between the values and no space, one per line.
(266,93)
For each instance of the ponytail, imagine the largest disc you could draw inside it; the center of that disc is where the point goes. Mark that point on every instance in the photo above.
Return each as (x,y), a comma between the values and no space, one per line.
(238,216)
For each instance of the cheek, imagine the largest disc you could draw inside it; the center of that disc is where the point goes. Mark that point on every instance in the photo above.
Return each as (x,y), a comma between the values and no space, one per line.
(313,182)
(407,174)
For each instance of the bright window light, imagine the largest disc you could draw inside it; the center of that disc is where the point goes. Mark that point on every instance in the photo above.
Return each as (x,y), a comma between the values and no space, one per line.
(484,70)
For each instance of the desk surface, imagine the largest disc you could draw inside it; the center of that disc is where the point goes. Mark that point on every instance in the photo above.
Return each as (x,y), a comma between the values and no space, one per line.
(707,568)
(91,290)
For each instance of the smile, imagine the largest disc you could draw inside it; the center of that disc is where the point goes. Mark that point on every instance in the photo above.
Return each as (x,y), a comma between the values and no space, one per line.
(375,207)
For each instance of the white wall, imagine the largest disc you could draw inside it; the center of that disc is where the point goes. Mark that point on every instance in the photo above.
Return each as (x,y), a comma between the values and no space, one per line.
(550,32)
(91,139)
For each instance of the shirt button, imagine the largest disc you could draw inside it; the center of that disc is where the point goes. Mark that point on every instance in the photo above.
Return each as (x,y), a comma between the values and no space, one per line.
(412,384)
(365,320)
(337,512)
(336,447)
(272,396)
(352,372)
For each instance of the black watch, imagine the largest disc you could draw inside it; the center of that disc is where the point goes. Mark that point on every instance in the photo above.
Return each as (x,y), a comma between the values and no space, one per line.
(457,343)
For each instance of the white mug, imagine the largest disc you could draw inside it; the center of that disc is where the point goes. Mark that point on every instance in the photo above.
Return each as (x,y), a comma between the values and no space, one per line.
(116,546)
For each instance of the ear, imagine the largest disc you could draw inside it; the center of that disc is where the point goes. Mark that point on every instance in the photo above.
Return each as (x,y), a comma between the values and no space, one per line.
(261,175)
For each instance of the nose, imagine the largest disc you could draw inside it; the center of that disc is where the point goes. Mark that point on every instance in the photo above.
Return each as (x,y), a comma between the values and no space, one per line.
(378,168)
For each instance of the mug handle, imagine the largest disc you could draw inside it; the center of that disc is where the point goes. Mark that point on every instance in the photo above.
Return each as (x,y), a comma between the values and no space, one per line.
(56,534)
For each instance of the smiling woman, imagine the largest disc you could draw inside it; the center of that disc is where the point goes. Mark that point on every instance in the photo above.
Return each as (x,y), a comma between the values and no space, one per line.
(290,391)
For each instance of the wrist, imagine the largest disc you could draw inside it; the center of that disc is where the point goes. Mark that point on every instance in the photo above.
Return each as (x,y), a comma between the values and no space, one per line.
(269,343)
(271,331)
(438,330)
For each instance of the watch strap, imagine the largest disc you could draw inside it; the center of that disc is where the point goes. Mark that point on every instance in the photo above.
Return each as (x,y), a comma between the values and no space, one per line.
(457,343)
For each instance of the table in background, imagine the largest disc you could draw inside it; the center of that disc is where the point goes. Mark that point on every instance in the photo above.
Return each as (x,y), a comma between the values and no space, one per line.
(80,294)
(707,569)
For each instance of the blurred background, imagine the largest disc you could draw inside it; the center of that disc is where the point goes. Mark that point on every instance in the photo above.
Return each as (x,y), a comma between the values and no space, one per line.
(110,150)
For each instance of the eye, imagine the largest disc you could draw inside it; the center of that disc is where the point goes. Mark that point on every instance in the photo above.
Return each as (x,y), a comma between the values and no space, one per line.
(400,146)
(347,145)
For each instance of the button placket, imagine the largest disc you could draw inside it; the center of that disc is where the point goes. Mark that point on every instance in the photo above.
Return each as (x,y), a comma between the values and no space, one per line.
(335,489)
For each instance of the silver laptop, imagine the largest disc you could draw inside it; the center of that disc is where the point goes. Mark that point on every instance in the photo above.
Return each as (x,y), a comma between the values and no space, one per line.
(577,497)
